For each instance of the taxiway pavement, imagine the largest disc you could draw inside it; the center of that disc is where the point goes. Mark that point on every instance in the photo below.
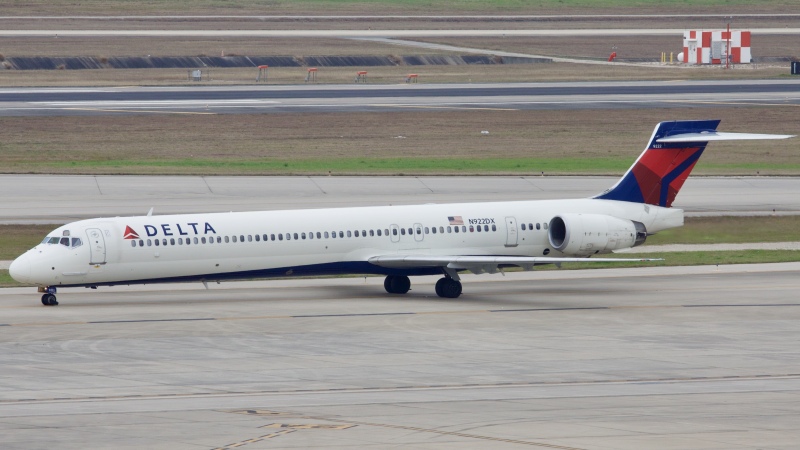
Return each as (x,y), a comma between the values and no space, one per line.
(657,358)
(327,98)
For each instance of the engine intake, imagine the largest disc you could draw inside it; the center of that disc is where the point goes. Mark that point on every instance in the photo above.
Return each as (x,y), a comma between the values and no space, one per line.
(589,234)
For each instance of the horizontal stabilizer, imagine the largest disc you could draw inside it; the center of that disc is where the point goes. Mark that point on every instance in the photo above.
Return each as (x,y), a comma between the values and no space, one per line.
(708,136)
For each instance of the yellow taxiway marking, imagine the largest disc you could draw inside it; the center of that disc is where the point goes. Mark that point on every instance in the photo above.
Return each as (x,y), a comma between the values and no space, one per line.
(138,111)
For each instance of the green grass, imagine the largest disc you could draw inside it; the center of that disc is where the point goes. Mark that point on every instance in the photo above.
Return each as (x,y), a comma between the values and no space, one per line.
(385,166)
(731,230)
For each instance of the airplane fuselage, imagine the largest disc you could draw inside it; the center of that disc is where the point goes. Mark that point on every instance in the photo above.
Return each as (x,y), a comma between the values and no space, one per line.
(223,246)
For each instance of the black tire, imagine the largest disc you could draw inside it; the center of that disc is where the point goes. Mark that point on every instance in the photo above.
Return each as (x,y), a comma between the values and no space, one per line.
(49,300)
(451,288)
(387,283)
(439,283)
(400,284)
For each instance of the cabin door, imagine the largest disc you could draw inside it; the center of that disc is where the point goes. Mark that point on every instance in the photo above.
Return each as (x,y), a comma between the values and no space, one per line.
(511,232)
(97,245)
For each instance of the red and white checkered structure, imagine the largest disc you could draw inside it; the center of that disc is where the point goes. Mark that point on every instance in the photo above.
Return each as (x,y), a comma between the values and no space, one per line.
(711,47)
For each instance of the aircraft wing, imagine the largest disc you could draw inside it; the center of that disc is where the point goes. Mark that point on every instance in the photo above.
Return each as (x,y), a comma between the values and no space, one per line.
(482,264)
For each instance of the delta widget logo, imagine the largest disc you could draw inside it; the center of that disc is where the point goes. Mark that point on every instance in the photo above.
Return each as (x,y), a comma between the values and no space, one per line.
(130,234)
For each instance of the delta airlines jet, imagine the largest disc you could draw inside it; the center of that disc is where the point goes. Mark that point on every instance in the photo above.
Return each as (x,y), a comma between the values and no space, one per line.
(394,241)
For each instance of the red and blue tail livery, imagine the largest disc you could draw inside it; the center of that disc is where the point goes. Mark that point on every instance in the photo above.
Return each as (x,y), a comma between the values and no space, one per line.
(660,171)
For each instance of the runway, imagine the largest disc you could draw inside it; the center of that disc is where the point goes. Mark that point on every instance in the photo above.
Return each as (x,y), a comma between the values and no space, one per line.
(656,358)
(64,198)
(405,97)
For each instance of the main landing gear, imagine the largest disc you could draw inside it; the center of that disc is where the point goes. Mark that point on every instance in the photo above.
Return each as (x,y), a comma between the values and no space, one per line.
(397,284)
(446,287)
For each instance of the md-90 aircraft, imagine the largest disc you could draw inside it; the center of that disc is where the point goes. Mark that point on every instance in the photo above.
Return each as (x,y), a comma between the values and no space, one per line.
(395,241)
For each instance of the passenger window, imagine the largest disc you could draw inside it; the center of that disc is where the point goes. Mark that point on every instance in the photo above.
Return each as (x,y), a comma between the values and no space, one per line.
(149,243)
(530,226)
(372,232)
(471,229)
(303,235)
(545,225)
(394,231)
(523,227)
(258,238)
(455,229)
(172,241)
(348,233)
(433,230)
(486,228)
(494,227)
(233,238)
(133,243)
(538,226)
(478,228)
(403,231)
(386,230)
(164,242)
(219,239)
(280,236)
(227,239)
(295,236)
(288,236)
(180,241)
(271,237)
(464,228)
(449,229)
(319,235)
(427,230)
(326,235)
(410,231)
(241,238)
(419,230)
(203,240)
(379,231)
(157,242)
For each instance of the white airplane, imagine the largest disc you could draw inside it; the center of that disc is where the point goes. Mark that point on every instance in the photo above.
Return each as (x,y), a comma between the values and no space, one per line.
(395,241)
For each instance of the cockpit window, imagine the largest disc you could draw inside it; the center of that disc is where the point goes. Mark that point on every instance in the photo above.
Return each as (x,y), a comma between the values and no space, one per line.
(64,241)
(51,240)
(76,242)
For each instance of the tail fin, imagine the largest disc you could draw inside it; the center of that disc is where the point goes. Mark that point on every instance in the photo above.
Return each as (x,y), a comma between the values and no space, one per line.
(660,171)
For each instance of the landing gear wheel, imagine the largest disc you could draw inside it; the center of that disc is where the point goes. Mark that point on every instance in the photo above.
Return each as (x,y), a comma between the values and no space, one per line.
(397,284)
(49,300)
(448,288)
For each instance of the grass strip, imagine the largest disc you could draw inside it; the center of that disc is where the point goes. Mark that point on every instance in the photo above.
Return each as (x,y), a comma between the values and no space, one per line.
(377,166)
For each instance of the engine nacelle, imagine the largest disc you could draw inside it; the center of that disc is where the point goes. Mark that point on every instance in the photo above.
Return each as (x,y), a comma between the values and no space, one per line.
(589,234)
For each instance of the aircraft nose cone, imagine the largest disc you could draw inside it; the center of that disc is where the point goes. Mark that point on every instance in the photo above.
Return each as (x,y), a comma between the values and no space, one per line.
(20,269)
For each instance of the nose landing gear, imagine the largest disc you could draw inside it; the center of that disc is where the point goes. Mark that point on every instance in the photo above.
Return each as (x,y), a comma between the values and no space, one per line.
(49,296)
